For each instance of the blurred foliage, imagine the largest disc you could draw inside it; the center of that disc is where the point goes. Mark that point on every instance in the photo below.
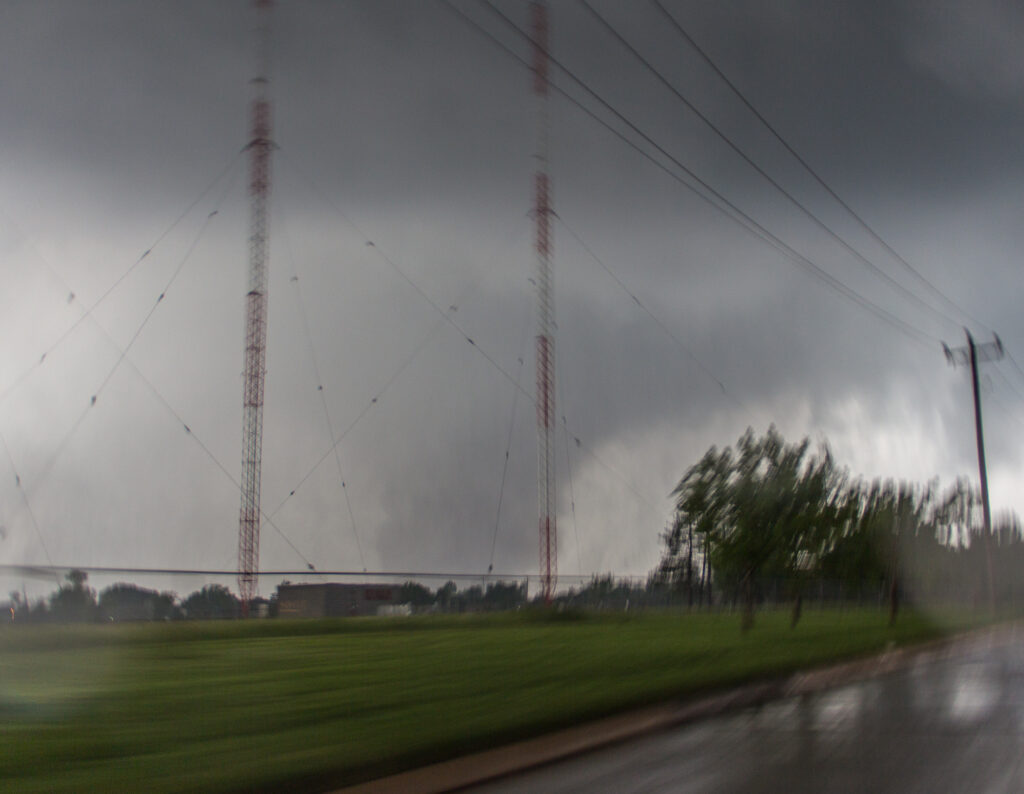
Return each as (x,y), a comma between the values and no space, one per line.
(769,516)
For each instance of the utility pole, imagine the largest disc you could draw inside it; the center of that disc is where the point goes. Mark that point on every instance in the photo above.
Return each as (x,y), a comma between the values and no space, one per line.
(259,148)
(970,356)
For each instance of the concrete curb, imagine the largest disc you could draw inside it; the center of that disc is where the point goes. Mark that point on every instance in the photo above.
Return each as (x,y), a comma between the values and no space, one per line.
(489,765)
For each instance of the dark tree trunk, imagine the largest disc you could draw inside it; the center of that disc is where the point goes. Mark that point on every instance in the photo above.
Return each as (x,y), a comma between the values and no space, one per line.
(747,622)
(894,599)
(798,608)
(706,576)
(689,565)
(894,585)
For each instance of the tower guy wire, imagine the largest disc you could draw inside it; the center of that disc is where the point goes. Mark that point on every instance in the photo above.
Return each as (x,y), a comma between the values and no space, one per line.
(87,312)
(28,505)
(296,282)
(504,470)
(122,357)
(654,318)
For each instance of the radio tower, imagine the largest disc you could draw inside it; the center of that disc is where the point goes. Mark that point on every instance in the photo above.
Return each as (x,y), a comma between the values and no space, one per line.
(545,353)
(256,317)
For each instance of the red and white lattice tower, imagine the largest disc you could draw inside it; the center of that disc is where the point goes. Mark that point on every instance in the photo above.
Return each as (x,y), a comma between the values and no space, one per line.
(259,148)
(545,352)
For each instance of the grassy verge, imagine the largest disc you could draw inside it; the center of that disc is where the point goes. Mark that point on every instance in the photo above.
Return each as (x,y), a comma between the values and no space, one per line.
(279,705)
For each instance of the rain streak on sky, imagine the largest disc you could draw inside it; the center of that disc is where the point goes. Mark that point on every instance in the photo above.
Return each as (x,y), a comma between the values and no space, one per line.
(400,226)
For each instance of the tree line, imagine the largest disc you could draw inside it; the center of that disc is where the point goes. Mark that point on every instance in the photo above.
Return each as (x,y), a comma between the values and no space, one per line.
(764,520)
(75,602)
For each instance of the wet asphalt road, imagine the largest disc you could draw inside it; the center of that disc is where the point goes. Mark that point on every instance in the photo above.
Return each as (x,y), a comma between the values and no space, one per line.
(942,725)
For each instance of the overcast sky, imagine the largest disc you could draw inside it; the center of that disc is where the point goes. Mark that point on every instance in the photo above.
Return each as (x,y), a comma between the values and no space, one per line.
(400,125)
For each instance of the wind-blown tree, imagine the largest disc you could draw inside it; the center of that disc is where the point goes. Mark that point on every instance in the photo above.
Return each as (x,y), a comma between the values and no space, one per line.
(700,500)
(680,569)
(769,508)
(1009,556)
(606,592)
(960,512)
(898,518)
(504,595)
(855,554)
(765,509)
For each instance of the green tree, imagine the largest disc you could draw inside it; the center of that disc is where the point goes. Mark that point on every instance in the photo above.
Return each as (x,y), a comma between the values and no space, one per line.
(213,602)
(123,601)
(680,569)
(769,508)
(416,594)
(446,595)
(504,595)
(74,602)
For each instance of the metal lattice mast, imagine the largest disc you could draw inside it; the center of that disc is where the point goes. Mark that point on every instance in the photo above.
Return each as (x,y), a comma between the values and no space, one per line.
(545,342)
(256,318)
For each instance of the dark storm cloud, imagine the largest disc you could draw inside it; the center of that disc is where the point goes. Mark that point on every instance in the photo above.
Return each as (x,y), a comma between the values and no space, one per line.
(421,132)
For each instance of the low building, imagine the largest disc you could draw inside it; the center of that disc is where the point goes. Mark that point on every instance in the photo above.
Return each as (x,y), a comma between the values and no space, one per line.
(336,600)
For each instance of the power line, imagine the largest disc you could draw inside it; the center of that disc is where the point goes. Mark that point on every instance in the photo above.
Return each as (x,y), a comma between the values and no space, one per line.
(1007,410)
(764,174)
(1014,363)
(724,205)
(1010,386)
(675,24)
(710,195)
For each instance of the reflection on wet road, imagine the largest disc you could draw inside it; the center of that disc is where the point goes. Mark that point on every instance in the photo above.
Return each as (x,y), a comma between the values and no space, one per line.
(953,724)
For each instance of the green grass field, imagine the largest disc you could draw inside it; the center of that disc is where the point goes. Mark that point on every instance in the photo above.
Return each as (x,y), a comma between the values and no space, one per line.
(307,705)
